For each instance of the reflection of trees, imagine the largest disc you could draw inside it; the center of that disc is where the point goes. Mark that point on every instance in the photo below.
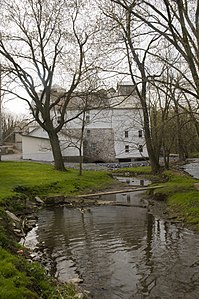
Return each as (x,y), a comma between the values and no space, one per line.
(88,238)
(147,262)
(52,235)
(166,269)
(156,254)
(57,236)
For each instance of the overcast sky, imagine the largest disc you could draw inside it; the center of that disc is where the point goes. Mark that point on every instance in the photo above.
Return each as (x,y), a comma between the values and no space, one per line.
(15,106)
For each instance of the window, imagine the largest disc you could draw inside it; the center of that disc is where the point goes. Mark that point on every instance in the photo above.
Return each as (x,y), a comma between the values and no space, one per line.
(126,148)
(88,132)
(140,133)
(140,148)
(126,134)
(87,119)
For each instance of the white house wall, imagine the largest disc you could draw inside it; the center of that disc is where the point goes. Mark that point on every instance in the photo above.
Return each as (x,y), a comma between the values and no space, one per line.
(129,121)
(108,128)
(36,149)
(119,120)
(36,146)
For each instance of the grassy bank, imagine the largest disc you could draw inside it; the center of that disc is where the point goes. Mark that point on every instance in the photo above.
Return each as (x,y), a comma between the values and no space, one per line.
(21,279)
(178,189)
(18,278)
(182,197)
(42,179)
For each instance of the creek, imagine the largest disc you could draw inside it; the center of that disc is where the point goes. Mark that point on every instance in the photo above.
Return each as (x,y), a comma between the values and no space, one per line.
(119,251)
(192,167)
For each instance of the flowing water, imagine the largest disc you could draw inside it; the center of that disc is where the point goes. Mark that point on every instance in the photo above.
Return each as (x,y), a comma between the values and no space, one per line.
(120,251)
(193,168)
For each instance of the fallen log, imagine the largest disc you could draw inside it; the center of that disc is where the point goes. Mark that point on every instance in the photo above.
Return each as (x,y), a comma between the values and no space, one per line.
(123,204)
(118,191)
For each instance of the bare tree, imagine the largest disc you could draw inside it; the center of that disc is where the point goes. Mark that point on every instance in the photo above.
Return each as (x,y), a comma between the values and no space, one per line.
(136,53)
(146,27)
(177,22)
(41,41)
(167,110)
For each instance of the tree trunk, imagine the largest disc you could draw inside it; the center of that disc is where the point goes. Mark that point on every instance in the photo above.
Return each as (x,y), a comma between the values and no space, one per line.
(179,137)
(155,166)
(57,155)
(152,152)
(80,162)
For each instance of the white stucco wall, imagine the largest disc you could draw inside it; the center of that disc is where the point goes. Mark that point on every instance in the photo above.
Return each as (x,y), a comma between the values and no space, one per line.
(120,120)
(130,121)
(36,147)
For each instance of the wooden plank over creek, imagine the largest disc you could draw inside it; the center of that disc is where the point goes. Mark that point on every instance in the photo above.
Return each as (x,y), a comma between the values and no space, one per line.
(119,191)
(123,204)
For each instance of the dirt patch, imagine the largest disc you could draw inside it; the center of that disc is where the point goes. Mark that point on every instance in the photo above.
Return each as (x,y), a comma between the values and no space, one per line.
(158,208)
(196,185)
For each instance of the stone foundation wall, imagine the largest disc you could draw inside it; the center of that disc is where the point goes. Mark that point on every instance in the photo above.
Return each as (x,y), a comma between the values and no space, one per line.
(99,145)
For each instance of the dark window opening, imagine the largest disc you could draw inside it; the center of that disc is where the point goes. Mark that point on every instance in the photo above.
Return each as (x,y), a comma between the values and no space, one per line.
(126,148)
(140,148)
(125,160)
(87,119)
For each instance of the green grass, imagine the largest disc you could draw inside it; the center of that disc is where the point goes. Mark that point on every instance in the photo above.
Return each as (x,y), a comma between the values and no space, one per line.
(186,206)
(42,179)
(20,279)
(176,182)
(15,281)
(182,197)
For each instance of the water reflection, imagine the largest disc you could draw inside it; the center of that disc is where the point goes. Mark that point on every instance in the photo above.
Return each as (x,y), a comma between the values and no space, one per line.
(127,198)
(121,252)
(170,268)
(133,181)
(192,168)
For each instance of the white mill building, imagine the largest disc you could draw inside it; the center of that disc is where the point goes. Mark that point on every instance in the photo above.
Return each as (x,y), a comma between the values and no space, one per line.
(112,129)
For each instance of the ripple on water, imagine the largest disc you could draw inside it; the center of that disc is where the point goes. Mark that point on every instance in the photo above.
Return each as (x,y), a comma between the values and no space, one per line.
(121,252)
